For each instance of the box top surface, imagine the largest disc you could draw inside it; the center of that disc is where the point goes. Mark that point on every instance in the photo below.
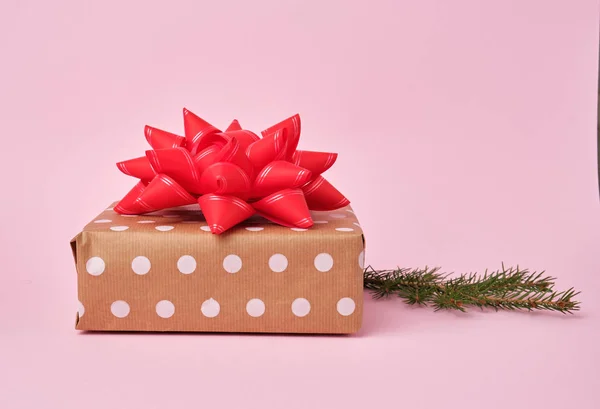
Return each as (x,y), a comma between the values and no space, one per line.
(188,219)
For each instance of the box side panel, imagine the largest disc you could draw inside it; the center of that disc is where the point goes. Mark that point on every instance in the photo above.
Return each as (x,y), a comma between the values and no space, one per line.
(269,279)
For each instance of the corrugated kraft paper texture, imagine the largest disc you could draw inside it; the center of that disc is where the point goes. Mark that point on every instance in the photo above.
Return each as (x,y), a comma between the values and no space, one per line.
(165,271)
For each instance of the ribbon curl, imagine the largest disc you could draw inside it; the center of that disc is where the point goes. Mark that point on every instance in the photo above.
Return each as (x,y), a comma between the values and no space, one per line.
(231,174)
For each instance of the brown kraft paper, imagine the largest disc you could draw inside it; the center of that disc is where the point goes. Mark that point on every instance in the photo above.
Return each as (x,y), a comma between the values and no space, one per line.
(165,271)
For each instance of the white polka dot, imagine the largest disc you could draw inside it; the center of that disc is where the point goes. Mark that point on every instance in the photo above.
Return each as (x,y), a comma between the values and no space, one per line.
(337,215)
(119,309)
(348,210)
(95,266)
(140,265)
(232,263)
(109,208)
(186,264)
(361,259)
(346,306)
(165,309)
(255,307)
(102,221)
(210,308)
(129,215)
(323,262)
(320,221)
(356,224)
(119,228)
(344,229)
(278,263)
(298,229)
(80,309)
(255,228)
(164,228)
(204,228)
(300,307)
(146,221)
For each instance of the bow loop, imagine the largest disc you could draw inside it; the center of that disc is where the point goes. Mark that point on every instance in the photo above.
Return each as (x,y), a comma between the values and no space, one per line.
(129,205)
(224,212)
(316,162)
(162,193)
(234,153)
(321,195)
(160,139)
(244,137)
(206,157)
(138,167)
(225,178)
(268,149)
(196,128)
(279,175)
(292,128)
(286,207)
(178,164)
(234,126)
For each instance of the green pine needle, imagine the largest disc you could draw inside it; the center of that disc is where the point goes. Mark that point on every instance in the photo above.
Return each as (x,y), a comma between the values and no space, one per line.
(504,289)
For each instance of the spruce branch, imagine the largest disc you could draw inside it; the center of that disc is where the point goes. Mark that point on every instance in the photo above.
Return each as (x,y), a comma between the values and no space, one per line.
(510,288)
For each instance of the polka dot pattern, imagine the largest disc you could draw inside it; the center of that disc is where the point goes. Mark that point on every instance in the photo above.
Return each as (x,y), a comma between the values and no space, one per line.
(120,309)
(255,308)
(141,265)
(324,262)
(186,264)
(232,263)
(95,266)
(345,306)
(165,309)
(278,263)
(301,307)
(210,308)
(212,283)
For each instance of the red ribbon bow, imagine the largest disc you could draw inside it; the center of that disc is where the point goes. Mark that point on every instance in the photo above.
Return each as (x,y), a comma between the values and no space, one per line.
(232,175)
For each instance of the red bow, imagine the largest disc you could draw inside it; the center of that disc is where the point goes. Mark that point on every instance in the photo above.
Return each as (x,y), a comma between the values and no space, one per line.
(231,175)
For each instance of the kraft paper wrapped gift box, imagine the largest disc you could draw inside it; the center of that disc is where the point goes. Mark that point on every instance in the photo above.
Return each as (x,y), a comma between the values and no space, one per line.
(165,271)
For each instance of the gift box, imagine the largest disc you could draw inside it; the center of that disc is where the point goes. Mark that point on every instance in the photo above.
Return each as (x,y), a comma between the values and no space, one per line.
(165,271)
(223,231)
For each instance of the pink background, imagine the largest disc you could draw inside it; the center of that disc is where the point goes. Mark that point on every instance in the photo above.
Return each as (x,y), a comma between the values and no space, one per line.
(466,132)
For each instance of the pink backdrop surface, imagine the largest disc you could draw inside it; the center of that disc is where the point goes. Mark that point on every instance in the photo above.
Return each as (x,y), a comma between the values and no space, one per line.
(466,132)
